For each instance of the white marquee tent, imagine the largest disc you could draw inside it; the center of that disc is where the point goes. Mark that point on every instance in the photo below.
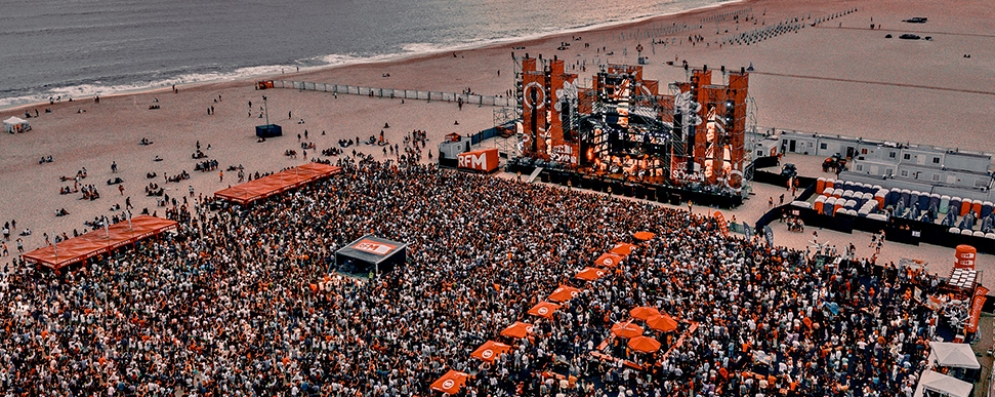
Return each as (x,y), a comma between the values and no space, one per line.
(937,384)
(16,125)
(954,355)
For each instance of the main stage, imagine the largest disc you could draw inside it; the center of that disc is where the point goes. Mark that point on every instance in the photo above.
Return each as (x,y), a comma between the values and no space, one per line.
(646,188)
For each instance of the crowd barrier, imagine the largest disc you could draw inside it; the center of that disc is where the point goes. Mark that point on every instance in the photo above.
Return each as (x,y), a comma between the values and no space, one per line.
(396,93)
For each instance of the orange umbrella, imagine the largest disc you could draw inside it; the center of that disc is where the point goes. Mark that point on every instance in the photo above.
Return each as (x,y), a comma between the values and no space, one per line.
(609,260)
(623,248)
(563,293)
(451,382)
(490,351)
(518,330)
(627,330)
(662,323)
(544,309)
(644,313)
(590,274)
(644,344)
(643,236)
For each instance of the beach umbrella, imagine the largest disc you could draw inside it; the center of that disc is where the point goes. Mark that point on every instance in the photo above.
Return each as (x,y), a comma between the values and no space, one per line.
(643,236)
(609,260)
(627,330)
(490,351)
(563,293)
(590,274)
(662,323)
(518,330)
(644,313)
(451,382)
(544,309)
(644,344)
(623,249)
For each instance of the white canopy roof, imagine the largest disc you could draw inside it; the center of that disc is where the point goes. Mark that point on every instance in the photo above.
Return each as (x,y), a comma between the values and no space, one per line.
(956,355)
(940,383)
(14,120)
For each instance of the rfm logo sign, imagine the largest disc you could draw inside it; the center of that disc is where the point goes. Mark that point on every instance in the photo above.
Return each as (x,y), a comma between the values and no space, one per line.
(474,161)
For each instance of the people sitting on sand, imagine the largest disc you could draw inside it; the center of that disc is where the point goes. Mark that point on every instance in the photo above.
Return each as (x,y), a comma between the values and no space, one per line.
(115,207)
(26,232)
(157,158)
(145,142)
(198,155)
(207,165)
(180,177)
(290,153)
(115,181)
(44,160)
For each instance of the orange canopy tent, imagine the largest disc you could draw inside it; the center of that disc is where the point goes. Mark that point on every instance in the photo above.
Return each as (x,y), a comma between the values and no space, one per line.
(544,309)
(490,351)
(623,249)
(609,260)
(563,293)
(98,242)
(627,330)
(644,344)
(277,183)
(662,323)
(451,382)
(518,330)
(643,236)
(590,274)
(644,313)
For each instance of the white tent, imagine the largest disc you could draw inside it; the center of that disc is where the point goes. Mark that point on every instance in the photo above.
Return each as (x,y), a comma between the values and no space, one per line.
(937,383)
(16,124)
(955,355)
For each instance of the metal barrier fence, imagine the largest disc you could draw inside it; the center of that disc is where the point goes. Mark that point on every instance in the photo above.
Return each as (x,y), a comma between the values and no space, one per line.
(395,93)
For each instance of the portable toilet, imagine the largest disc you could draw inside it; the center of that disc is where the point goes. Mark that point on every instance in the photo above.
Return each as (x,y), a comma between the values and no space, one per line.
(827,191)
(966,232)
(924,201)
(880,198)
(965,206)
(944,204)
(827,209)
(838,205)
(934,201)
(979,234)
(955,205)
(986,208)
(820,184)
(819,202)
(893,196)
(976,207)
(954,230)
(831,183)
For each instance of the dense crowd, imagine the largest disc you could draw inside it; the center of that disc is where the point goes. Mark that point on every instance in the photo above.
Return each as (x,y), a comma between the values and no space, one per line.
(242,303)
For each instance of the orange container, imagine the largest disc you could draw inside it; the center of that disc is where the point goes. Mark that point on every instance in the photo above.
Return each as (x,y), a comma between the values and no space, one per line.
(977,208)
(880,200)
(818,206)
(838,207)
(820,184)
(965,256)
(830,183)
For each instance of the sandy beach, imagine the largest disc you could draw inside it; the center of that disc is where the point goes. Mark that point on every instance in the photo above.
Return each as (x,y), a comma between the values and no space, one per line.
(838,77)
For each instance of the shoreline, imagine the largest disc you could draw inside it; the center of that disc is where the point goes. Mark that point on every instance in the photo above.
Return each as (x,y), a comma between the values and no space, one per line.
(384,59)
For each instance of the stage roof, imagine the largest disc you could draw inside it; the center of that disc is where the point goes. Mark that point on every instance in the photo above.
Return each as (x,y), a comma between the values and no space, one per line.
(371,249)
(98,242)
(277,183)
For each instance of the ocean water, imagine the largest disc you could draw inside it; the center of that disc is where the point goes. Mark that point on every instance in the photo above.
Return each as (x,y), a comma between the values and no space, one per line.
(80,48)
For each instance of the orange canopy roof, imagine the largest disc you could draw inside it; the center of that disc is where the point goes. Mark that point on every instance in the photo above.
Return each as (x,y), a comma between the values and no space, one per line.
(662,323)
(623,249)
(518,330)
(590,274)
(277,183)
(490,351)
(609,259)
(98,242)
(643,236)
(451,382)
(627,330)
(563,293)
(544,309)
(644,344)
(644,313)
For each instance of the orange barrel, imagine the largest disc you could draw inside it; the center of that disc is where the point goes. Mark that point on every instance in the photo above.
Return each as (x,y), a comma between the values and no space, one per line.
(976,207)
(965,256)
(965,206)
(820,184)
